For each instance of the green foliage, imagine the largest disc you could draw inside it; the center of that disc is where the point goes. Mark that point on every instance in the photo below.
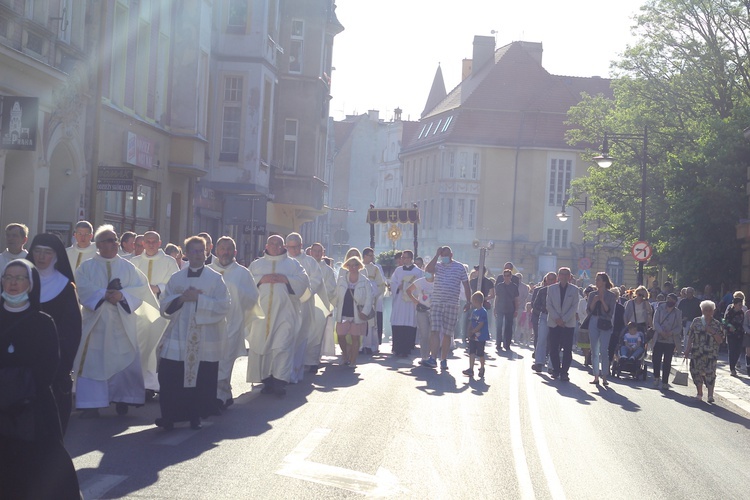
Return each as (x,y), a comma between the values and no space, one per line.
(386,259)
(686,82)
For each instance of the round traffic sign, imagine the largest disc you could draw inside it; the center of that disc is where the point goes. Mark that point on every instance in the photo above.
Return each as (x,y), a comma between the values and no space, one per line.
(641,251)
(584,263)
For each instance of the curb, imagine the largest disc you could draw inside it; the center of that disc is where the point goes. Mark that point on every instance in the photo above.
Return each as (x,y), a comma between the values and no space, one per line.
(729,396)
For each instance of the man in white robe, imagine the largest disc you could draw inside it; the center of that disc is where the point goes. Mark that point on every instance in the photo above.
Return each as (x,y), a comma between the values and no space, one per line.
(158,268)
(371,343)
(127,245)
(196,301)
(82,249)
(327,294)
(403,309)
(108,363)
(16,236)
(244,295)
(307,347)
(282,283)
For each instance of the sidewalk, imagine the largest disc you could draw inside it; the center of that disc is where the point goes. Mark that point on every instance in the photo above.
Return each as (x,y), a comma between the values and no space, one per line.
(736,390)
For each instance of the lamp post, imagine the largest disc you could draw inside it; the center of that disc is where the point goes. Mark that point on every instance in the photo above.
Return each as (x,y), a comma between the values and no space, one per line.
(606,161)
(563,215)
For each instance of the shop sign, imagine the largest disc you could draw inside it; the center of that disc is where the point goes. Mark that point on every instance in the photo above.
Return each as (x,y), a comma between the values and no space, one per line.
(19,117)
(140,151)
(114,179)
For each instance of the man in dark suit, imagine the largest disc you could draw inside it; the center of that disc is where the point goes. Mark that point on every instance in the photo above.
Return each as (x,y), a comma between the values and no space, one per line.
(562,304)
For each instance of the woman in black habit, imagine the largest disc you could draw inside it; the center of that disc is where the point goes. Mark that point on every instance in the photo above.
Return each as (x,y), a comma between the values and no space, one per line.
(60,300)
(33,461)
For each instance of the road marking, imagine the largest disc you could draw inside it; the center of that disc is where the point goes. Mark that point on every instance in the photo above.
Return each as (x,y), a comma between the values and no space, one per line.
(537,428)
(296,465)
(100,484)
(516,441)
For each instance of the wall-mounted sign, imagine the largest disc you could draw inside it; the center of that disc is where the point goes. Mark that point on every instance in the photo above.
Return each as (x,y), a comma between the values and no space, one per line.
(140,151)
(19,118)
(114,179)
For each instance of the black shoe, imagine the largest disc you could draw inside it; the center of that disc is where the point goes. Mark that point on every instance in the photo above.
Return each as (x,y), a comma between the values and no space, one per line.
(564,377)
(165,424)
(195,424)
(229,403)
(555,375)
(267,389)
(121,408)
(90,413)
(280,392)
(481,373)
(150,395)
(313,369)
(537,368)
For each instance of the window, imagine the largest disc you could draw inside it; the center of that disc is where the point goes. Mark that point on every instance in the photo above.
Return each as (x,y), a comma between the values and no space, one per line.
(557,238)
(437,127)
(422,132)
(615,269)
(3,27)
(428,129)
(237,16)
(460,213)
(447,123)
(432,214)
(290,145)
(448,213)
(475,167)
(559,181)
(232,119)
(296,46)
(434,170)
(472,211)
(265,136)
(451,164)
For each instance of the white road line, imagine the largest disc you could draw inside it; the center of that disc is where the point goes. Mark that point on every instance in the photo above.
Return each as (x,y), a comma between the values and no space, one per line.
(537,428)
(516,440)
(296,465)
(100,484)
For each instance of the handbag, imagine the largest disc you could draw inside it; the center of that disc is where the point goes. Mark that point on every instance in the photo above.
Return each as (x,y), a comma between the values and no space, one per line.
(603,322)
(360,308)
(680,375)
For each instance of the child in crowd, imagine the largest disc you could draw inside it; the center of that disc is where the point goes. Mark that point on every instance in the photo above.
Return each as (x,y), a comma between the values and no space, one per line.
(479,334)
(524,326)
(632,342)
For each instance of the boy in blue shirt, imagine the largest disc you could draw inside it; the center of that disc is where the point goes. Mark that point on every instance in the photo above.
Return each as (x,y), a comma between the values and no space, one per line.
(479,334)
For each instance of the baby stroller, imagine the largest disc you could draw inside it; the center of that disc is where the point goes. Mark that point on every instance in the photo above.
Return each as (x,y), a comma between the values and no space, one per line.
(635,366)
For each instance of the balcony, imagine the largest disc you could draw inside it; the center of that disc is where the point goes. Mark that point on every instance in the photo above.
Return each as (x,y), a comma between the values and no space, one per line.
(304,193)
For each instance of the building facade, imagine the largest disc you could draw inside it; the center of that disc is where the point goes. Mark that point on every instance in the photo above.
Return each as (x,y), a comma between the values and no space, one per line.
(491,162)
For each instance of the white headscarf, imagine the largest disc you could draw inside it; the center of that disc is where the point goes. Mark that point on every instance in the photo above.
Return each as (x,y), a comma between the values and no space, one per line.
(52,281)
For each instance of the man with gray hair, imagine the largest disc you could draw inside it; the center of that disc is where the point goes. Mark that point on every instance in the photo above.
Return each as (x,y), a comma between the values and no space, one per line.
(108,364)
(307,346)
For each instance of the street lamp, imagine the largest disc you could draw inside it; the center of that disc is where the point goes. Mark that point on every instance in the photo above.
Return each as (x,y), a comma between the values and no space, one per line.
(606,161)
(563,216)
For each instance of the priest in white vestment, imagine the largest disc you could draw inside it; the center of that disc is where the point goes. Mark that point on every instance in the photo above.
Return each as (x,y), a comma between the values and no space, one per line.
(108,363)
(307,346)
(158,268)
(282,283)
(16,236)
(371,342)
(196,301)
(327,294)
(244,295)
(82,250)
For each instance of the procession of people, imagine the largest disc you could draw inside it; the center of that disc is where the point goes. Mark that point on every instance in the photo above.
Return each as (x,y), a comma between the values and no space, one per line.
(123,327)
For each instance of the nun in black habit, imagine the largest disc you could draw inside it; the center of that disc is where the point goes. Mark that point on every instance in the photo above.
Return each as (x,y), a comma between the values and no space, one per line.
(60,300)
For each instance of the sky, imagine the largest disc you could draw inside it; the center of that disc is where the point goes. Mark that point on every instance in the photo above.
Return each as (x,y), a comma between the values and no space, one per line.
(388,53)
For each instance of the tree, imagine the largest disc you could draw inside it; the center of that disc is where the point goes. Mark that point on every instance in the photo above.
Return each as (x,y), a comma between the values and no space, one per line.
(687,81)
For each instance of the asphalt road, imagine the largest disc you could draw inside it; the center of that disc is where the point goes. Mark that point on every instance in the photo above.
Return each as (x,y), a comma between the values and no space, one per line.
(390,428)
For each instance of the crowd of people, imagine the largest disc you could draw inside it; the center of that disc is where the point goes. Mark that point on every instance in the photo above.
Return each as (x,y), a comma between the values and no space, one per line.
(116,319)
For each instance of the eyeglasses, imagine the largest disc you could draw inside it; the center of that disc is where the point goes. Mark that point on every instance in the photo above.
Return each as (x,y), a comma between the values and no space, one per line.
(108,240)
(7,278)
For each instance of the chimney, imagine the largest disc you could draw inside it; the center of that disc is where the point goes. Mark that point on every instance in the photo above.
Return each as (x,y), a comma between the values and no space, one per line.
(465,69)
(397,114)
(373,114)
(484,51)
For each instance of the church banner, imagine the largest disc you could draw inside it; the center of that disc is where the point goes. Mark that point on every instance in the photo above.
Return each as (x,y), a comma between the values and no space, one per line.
(18,122)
